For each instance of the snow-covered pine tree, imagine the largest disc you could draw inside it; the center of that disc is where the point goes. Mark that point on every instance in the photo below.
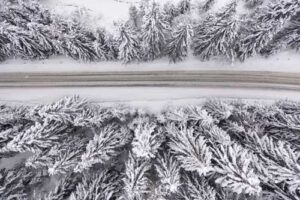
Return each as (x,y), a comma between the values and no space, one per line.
(5,50)
(136,183)
(148,137)
(20,13)
(260,30)
(195,187)
(278,165)
(253,3)
(75,41)
(63,188)
(66,159)
(184,6)
(28,44)
(37,138)
(207,5)
(236,170)
(190,150)
(179,42)
(219,110)
(129,49)
(134,18)
(170,11)
(217,35)
(154,33)
(19,182)
(168,170)
(288,37)
(102,46)
(105,185)
(104,146)
(42,35)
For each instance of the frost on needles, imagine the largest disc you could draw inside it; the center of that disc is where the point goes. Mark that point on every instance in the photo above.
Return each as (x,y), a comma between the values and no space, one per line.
(219,150)
(173,30)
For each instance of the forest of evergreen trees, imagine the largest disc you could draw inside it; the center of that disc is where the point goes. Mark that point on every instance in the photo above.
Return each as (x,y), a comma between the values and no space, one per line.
(29,31)
(73,149)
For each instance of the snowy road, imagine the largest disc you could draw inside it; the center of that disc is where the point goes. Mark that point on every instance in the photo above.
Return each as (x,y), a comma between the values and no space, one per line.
(151,89)
(228,79)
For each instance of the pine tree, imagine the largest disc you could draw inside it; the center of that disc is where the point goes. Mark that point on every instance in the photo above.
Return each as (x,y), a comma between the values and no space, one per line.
(236,169)
(20,13)
(207,5)
(155,30)
(63,188)
(195,187)
(4,43)
(37,138)
(147,140)
(191,150)
(253,3)
(217,35)
(98,185)
(217,109)
(102,48)
(136,183)
(170,11)
(261,38)
(184,6)
(75,41)
(168,169)
(104,146)
(134,18)
(129,49)
(178,44)
(19,182)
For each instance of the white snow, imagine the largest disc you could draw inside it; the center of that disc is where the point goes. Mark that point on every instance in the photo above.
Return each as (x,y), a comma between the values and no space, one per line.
(103,13)
(281,62)
(153,99)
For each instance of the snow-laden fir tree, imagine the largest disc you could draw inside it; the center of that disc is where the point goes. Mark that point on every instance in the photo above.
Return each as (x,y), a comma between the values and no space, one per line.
(136,183)
(20,13)
(206,5)
(195,187)
(184,6)
(253,3)
(259,30)
(190,150)
(105,184)
(148,137)
(170,11)
(168,170)
(154,33)
(219,110)
(63,189)
(5,50)
(179,42)
(129,49)
(134,18)
(75,41)
(217,35)
(105,145)
(34,43)
(236,169)
(19,182)
(102,47)
(37,138)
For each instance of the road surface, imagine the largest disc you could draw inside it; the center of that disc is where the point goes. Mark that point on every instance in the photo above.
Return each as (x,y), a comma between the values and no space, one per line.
(228,79)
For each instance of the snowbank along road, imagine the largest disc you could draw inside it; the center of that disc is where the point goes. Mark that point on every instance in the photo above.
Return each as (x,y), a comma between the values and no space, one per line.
(231,79)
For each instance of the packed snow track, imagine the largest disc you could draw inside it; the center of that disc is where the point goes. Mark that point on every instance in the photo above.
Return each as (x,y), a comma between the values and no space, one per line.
(227,79)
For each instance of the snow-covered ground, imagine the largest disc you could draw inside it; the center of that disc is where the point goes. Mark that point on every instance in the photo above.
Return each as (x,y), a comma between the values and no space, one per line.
(151,98)
(103,13)
(281,62)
